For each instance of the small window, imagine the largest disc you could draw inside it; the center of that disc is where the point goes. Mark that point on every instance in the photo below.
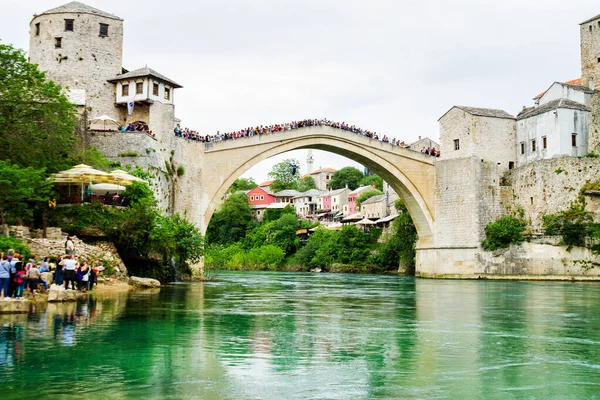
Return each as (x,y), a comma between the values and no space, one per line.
(531,200)
(37,29)
(124,90)
(139,88)
(167,94)
(574,139)
(522,147)
(544,142)
(58,43)
(456,144)
(511,165)
(599,59)
(533,145)
(103,30)
(262,197)
(69,25)
(251,198)
(591,28)
(155,89)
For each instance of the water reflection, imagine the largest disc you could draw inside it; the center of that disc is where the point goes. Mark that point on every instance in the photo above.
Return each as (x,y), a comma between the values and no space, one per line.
(274,335)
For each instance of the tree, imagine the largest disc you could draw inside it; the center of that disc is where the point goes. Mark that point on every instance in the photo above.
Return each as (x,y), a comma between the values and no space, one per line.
(372,180)
(346,176)
(231,222)
(367,195)
(285,175)
(176,238)
(306,183)
(36,119)
(242,184)
(22,190)
(138,191)
(399,247)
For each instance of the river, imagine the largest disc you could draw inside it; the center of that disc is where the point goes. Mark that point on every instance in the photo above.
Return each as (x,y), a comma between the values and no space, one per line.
(262,335)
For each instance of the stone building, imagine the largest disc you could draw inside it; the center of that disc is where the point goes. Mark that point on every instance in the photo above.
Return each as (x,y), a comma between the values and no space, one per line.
(379,206)
(321,176)
(483,133)
(424,142)
(306,202)
(81,48)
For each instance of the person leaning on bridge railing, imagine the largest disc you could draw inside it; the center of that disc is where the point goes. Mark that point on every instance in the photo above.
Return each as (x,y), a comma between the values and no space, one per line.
(190,134)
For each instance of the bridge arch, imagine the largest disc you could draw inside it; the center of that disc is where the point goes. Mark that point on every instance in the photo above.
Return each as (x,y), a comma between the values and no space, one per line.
(409,173)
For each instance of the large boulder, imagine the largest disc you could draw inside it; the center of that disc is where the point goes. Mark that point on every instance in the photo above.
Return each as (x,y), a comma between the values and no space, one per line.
(143,283)
(59,293)
(13,306)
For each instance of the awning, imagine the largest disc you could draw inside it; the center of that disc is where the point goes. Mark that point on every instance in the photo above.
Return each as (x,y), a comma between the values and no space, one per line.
(353,217)
(387,219)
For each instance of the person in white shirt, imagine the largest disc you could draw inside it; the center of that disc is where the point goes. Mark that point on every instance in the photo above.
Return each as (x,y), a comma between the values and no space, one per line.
(69,264)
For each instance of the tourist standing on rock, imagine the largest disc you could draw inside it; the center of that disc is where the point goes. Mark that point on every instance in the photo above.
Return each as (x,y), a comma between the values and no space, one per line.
(4,274)
(69,265)
(20,278)
(69,246)
(93,276)
(33,277)
(13,272)
(58,273)
(85,276)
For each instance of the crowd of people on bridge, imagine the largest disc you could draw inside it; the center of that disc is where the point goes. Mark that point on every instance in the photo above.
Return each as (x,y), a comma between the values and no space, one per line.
(193,135)
(431,151)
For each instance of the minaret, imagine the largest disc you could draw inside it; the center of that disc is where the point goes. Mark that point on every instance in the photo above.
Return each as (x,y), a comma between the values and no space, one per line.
(309,162)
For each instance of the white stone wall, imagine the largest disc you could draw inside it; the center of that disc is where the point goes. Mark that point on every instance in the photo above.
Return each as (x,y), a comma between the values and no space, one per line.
(556,126)
(85,60)
(147,93)
(467,197)
(549,186)
(489,139)
(560,91)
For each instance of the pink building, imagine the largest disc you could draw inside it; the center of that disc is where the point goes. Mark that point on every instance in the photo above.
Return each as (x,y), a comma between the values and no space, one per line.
(352,208)
(324,202)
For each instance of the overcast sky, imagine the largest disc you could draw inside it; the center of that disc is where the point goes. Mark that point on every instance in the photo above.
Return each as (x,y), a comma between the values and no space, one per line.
(389,66)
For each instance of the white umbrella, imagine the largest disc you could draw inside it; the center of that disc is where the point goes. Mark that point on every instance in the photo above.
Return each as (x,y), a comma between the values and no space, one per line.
(107,187)
(365,221)
(104,118)
(80,174)
(124,176)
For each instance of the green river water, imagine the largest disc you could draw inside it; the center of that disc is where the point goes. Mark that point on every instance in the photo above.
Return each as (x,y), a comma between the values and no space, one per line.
(261,335)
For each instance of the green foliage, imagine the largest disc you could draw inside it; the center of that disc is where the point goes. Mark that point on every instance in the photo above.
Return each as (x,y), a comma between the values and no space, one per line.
(36,119)
(502,232)
(272,214)
(367,195)
(180,170)
(235,257)
(574,225)
(23,189)
(7,243)
(129,154)
(399,248)
(373,180)
(176,238)
(138,192)
(282,232)
(306,183)
(242,184)
(139,172)
(349,176)
(284,175)
(231,221)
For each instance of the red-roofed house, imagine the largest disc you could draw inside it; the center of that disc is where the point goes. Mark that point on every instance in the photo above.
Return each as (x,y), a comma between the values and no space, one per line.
(258,199)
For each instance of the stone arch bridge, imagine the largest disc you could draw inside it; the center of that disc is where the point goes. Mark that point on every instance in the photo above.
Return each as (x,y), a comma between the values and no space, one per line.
(210,169)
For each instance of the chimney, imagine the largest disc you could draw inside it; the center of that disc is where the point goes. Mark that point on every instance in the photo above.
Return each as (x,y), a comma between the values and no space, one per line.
(419,137)
(591,83)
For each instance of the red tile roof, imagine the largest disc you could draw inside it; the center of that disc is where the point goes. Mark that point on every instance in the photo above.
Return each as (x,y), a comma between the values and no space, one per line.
(266,183)
(319,171)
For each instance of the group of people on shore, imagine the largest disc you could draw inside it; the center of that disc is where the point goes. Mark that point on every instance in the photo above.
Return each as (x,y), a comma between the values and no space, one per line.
(16,276)
(269,129)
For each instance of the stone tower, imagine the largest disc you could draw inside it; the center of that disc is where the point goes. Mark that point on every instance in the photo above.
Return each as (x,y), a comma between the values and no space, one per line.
(590,75)
(590,52)
(309,162)
(79,47)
